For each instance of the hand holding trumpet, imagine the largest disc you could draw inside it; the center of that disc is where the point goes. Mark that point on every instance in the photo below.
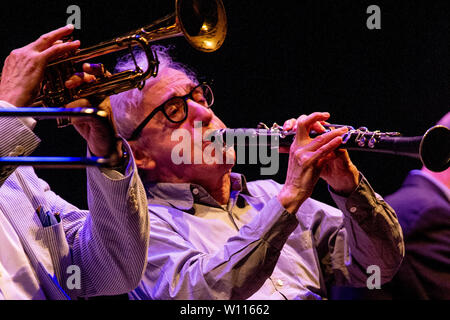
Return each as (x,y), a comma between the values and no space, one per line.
(22,77)
(100,136)
(23,70)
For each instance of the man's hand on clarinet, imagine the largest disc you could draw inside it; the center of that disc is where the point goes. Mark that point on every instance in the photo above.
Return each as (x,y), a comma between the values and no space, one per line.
(311,159)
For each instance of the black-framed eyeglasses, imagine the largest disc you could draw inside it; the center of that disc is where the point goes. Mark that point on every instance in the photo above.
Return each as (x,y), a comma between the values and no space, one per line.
(176,109)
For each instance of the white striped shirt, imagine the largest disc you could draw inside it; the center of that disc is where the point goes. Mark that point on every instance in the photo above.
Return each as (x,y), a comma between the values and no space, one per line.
(108,244)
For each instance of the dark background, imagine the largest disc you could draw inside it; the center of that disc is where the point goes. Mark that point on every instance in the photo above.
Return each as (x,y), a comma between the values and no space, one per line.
(281,59)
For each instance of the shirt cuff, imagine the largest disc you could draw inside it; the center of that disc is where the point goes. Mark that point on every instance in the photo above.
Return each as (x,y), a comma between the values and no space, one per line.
(128,166)
(359,203)
(29,122)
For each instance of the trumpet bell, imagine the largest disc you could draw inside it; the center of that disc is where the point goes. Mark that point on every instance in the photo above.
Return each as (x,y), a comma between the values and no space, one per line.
(204,23)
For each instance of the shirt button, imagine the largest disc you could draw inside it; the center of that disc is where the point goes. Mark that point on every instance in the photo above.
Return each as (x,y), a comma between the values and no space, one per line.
(19,150)
(353,209)
(280,282)
(195,191)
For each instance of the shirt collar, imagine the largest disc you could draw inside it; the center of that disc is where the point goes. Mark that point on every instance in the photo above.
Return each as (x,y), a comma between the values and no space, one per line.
(183,195)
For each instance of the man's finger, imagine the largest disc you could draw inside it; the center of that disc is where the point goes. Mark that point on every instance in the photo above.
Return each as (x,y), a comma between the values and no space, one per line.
(318,127)
(326,149)
(47,40)
(289,124)
(60,49)
(97,69)
(78,79)
(81,103)
(325,138)
(304,123)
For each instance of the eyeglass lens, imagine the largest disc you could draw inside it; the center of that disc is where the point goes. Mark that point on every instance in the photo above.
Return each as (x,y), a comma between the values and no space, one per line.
(175,109)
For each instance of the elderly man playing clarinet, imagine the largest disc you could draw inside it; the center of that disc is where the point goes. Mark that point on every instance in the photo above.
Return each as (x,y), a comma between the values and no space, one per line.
(216,236)
(49,248)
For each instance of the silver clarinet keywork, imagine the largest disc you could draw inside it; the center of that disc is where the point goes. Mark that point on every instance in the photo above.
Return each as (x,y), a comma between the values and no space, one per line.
(433,148)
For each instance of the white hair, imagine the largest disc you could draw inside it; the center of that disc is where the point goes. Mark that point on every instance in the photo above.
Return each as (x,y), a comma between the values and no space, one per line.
(127,106)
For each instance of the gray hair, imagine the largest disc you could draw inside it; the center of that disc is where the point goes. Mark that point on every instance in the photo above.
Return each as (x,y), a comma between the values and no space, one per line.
(127,106)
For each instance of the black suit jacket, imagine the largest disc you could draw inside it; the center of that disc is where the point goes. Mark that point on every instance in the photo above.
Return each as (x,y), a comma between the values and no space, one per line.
(424,213)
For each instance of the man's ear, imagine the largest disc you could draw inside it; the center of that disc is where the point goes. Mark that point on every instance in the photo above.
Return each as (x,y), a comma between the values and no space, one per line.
(143,160)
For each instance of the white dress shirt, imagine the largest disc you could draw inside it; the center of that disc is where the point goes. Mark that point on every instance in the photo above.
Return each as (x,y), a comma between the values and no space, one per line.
(18,281)
(108,243)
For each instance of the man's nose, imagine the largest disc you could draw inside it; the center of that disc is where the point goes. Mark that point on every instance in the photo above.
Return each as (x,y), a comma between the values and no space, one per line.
(197,112)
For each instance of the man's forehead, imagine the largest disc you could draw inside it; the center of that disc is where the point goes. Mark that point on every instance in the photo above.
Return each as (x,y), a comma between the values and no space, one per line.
(171,79)
(169,83)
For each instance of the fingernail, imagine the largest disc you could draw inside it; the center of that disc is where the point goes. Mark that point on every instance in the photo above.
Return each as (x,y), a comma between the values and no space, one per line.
(70,26)
(69,83)
(74,44)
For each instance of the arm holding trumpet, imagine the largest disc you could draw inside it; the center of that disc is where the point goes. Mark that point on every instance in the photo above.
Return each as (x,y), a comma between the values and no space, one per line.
(23,74)
(107,242)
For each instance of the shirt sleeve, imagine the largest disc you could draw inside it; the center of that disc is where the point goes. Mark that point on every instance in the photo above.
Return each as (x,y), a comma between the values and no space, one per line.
(29,122)
(18,140)
(369,235)
(178,270)
(108,243)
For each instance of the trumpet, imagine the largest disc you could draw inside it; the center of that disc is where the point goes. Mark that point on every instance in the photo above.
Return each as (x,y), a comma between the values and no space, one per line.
(203,23)
(432,148)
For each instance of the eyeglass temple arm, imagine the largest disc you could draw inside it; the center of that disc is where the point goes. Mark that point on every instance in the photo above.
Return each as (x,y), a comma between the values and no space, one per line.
(142,125)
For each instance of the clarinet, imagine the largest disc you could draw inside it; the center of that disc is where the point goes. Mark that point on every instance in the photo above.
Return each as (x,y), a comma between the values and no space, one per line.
(432,148)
